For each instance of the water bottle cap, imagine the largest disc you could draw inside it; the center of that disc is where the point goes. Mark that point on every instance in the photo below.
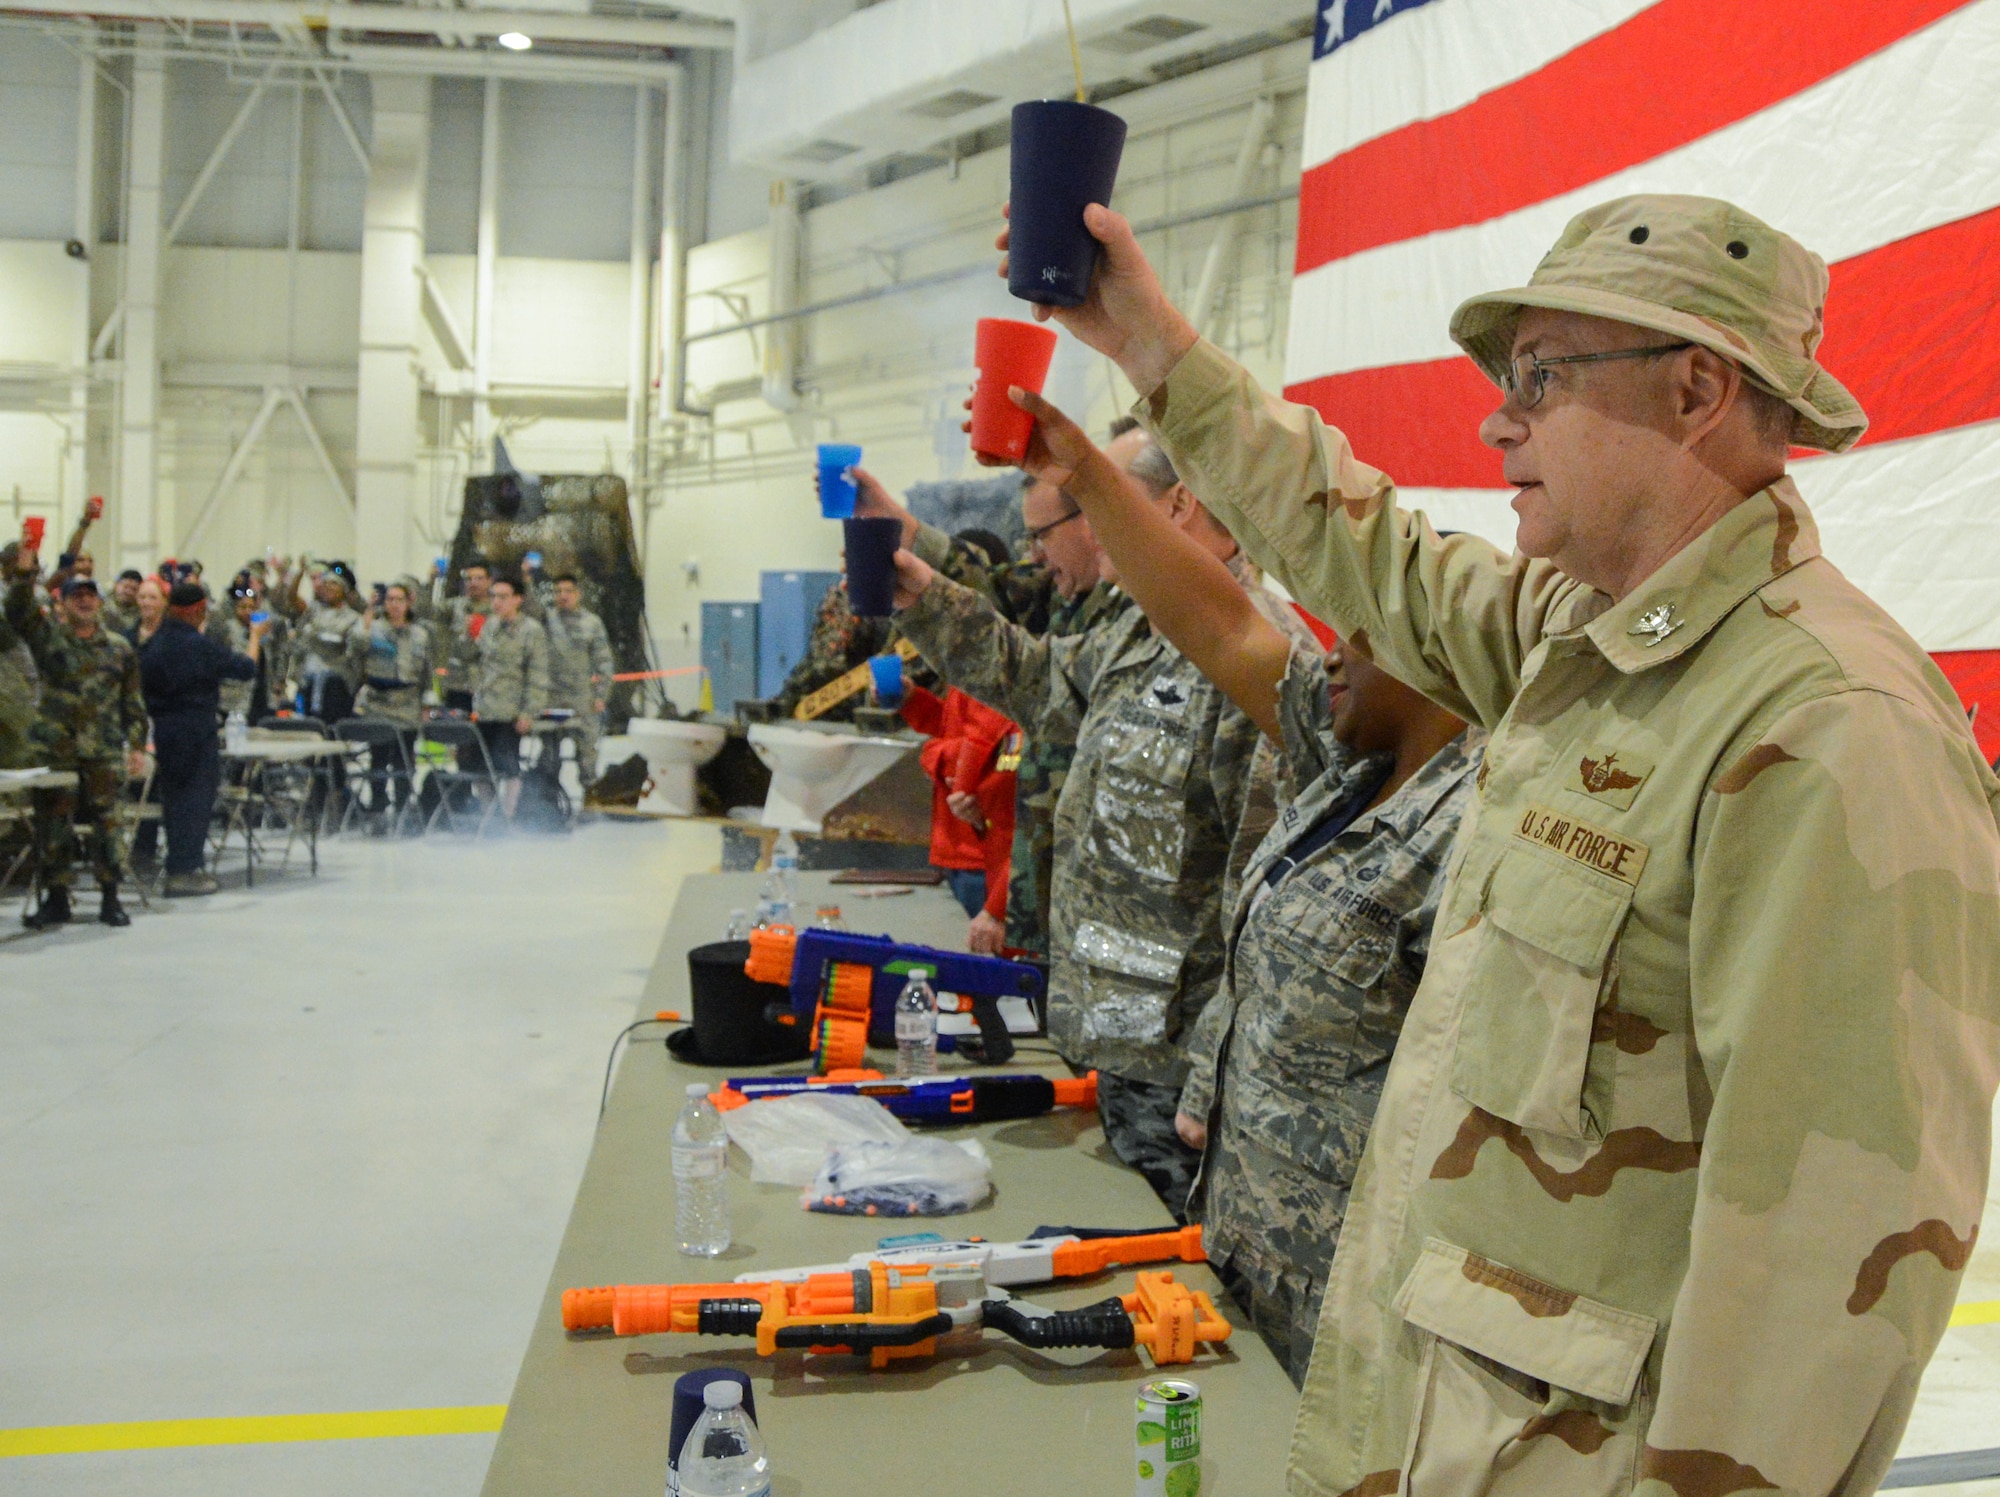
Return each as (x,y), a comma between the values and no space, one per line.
(697,1089)
(722,1395)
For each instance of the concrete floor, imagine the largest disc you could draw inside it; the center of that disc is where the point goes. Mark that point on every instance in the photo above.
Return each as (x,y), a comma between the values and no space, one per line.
(310,1149)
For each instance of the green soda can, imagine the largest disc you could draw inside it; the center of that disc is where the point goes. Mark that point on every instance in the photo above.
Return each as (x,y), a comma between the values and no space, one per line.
(1169,1438)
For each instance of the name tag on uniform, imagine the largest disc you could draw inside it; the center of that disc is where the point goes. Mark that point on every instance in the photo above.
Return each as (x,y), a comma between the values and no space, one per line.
(1580,842)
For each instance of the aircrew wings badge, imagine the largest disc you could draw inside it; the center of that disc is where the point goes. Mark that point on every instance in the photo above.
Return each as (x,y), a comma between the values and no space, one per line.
(1612,778)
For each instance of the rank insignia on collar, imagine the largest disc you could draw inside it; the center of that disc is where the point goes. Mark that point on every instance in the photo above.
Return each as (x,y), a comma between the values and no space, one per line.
(1656,623)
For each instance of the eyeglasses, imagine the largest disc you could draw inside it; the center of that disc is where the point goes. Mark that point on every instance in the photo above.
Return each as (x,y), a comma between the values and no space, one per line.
(1036,532)
(1525,384)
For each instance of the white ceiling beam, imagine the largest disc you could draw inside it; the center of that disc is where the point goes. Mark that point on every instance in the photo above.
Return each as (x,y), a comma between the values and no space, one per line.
(281,15)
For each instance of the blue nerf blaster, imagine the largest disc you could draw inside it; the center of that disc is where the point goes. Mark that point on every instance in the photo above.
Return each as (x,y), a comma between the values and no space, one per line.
(926,1099)
(846,986)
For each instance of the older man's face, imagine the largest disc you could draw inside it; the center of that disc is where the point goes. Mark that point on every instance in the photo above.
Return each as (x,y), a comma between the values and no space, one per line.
(81,607)
(1585,460)
(1065,544)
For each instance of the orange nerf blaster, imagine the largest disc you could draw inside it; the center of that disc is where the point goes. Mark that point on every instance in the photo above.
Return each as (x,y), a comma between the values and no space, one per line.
(886,1313)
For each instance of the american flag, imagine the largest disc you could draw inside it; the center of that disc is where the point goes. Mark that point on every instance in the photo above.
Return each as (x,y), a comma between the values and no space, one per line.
(1448,141)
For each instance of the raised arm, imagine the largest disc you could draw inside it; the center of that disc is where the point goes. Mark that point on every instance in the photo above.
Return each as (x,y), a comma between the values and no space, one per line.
(1186,592)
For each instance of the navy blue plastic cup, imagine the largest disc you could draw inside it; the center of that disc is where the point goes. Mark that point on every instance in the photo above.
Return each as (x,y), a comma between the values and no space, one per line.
(688,1390)
(837,492)
(1064,158)
(871,565)
(888,673)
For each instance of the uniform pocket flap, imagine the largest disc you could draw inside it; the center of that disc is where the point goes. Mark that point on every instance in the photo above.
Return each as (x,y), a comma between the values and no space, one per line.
(1134,956)
(1520,1322)
(1569,915)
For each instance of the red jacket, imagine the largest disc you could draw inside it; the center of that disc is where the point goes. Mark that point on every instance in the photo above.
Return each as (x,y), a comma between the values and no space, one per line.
(966,739)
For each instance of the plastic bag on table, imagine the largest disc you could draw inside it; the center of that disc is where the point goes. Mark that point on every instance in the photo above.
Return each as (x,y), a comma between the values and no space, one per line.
(787,1138)
(920,1176)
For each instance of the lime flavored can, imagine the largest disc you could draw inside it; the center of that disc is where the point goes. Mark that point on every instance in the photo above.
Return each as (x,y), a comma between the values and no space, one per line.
(1168,1438)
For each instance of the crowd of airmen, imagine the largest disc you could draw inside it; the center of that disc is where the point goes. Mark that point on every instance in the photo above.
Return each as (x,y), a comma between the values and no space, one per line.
(1568,1000)
(504,651)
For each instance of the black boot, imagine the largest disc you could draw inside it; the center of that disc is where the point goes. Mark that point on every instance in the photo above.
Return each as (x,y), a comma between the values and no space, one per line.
(110,911)
(53,910)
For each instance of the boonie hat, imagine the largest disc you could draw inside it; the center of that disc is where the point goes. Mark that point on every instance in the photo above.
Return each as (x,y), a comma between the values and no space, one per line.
(1696,269)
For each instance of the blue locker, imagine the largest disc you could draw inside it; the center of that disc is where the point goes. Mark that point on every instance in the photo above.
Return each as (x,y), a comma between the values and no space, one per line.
(784,623)
(729,653)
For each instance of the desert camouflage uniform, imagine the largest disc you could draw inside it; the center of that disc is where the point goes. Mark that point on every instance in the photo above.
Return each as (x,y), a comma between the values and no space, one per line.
(580,669)
(1143,830)
(1684,1147)
(1322,967)
(93,713)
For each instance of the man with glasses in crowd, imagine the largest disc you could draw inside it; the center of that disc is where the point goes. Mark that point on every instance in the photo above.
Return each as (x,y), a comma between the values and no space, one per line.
(1682,1156)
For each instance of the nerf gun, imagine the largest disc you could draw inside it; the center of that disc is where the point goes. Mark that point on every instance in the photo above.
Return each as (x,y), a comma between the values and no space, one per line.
(1049,1253)
(846,986)
(934,1099)
(886,1313)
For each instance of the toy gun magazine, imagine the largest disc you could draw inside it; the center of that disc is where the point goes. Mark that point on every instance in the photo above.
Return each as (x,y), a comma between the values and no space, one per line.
(845,986)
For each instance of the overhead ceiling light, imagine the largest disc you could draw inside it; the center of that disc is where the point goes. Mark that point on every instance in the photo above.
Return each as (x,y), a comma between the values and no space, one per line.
(515,41)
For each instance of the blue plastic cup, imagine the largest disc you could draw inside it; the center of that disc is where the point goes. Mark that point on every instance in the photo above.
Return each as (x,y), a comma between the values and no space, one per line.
(871,565)
(888,673)
(261,616)
(690,1388)
(837,491)
(1063,158)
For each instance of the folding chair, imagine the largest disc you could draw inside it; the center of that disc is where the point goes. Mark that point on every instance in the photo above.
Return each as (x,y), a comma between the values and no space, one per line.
(379,737)
(316,777)
(462,737)
(135,811)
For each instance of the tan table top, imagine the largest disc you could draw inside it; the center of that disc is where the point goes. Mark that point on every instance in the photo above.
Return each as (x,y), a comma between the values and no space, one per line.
(592,1416)
(13,782)
(281,747)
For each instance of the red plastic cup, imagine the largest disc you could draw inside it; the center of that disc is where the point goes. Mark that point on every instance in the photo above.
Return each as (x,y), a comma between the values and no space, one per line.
(1008,353)
(33,528)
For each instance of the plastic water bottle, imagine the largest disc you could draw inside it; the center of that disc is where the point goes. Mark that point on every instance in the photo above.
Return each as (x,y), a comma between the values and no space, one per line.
(236,731)
(701,1186)
(785,864)
(772,907)
(828,918)
(916,1027)
(724,1454)
(739,926)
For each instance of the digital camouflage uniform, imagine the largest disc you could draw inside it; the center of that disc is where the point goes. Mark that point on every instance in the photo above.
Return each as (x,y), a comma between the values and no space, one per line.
(1143,829)
(513,679)
(332,640)
(93,713)
(398,671)
(580,669)
(1684,1146)
(457,652)
(1288,1060)
(1025,593)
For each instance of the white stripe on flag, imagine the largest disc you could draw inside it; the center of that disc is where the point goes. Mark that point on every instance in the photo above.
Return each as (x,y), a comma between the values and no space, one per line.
(1887,149)
(1912,523)
(1440,57)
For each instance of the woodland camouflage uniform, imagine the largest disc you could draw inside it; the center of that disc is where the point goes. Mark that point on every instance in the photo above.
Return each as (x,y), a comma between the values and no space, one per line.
(1684,1147)
(92,714)
(1288,1060)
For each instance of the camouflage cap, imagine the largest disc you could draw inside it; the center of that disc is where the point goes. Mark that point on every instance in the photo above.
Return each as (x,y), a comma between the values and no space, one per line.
(1693,268)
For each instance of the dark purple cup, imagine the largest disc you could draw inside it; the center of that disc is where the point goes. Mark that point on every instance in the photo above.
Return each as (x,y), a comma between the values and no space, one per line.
(1064,158)
(689,1390)
(871,565)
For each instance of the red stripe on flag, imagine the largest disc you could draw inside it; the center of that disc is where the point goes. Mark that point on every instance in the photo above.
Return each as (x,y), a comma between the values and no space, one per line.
(1596,110)
(1913,331)
(1975,676)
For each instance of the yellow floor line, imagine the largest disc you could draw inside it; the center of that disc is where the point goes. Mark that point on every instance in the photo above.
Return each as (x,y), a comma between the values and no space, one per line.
(1980,1312)
(163,1434)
